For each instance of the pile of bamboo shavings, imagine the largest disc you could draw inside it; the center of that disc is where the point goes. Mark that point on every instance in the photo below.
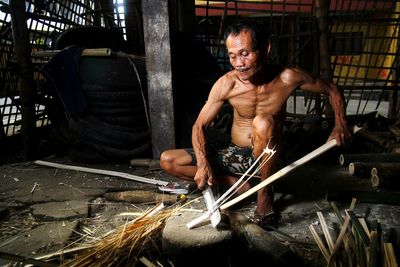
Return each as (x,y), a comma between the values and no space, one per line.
(356,244)
(124,245)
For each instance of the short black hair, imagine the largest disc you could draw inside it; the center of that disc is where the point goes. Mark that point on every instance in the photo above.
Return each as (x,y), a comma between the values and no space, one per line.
(259,35)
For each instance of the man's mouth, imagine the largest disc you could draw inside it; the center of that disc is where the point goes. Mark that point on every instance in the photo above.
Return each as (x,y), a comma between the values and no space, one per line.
(242,69)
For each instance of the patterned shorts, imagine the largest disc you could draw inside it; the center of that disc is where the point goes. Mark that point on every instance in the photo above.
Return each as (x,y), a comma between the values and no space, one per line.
(232,159)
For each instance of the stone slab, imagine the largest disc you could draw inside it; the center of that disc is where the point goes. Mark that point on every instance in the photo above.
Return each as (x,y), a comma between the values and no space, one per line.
(185,245)
(61,210)
(46,238)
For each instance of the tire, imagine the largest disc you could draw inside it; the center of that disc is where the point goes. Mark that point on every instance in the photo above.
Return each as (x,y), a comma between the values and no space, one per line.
(92,120)
(108,137)
(123,111)
(130,120)
(116,154)
(110,72)
(86,155)
(111,94)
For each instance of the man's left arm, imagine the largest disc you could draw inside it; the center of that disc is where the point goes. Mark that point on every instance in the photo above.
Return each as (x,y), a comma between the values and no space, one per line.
(336,99)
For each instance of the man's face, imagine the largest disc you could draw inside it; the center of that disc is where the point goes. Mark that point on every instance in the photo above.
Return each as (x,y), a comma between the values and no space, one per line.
(242,57)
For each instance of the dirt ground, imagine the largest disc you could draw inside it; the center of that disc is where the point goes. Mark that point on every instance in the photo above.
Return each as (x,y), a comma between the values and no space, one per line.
(46,209)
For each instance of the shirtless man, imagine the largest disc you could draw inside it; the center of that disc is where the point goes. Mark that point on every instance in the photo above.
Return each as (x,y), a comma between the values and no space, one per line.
(258,93)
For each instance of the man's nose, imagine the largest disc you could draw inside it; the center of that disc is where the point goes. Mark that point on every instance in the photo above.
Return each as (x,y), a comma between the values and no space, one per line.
(239,62)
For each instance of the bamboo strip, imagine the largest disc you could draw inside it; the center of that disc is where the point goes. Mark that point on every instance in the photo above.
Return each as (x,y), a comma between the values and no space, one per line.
(103,172)
(125,242)
(24,261)
(98,52)
(360,249)
(353,204)
(213,209)
(325,230)
(347,244)
(339,240)
(319,242)
(364,226)
(390,256)
(358,227)
(330,144)
(337,212)
(146,262)
(373,246)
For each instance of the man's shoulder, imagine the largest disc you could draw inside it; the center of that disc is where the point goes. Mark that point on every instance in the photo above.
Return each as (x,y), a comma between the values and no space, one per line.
(228,79)
(230,75)
(292,75)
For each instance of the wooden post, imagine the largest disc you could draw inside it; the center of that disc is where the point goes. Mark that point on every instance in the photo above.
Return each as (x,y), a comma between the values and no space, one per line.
(186,16)
(159,73)
(134,27)
(2,132)
(321,13)
(394,96)
(26,85)
(108,12)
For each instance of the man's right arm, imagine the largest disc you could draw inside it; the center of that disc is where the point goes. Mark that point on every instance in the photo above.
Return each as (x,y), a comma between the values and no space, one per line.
(206,116)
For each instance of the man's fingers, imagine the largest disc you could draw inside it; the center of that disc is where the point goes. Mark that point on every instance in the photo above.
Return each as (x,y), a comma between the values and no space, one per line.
(201,185)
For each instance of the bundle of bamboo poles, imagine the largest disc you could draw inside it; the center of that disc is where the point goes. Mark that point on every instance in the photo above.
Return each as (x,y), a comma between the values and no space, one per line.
(356,244)
(382,169)
(123,246)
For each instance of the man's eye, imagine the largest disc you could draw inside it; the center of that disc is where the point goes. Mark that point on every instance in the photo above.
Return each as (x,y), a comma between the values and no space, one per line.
(245,54)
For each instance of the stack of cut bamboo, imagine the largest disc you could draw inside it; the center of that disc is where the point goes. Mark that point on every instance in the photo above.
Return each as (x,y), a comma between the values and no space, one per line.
(382,168)
(356,244)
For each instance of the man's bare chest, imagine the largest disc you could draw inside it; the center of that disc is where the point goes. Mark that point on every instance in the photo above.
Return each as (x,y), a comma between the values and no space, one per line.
(251,101)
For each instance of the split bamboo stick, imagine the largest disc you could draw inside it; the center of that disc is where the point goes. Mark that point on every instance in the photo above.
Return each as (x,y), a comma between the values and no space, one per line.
(320,243)
(390,256)
(103,172)
(339,240)
(330,144)
(325,230)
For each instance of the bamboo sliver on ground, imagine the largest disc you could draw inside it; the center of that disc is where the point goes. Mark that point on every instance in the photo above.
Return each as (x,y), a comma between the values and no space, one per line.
(103,172)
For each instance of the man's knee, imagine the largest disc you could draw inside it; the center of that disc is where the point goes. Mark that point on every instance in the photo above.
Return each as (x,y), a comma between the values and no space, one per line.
(264,125)
(167,161)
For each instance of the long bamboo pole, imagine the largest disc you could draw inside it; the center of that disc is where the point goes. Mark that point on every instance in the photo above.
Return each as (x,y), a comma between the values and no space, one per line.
(279,174)
(103,172)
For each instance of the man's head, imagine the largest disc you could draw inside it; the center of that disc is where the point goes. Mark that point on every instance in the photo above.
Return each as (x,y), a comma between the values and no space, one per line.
(247,47)
(259,37)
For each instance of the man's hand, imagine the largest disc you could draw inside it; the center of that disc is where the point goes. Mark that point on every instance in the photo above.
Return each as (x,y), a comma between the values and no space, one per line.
(341,134)
(204,175)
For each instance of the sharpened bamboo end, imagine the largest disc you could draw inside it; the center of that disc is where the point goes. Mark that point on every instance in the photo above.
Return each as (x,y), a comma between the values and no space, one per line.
(351,168)
(375,180)
(341,160)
